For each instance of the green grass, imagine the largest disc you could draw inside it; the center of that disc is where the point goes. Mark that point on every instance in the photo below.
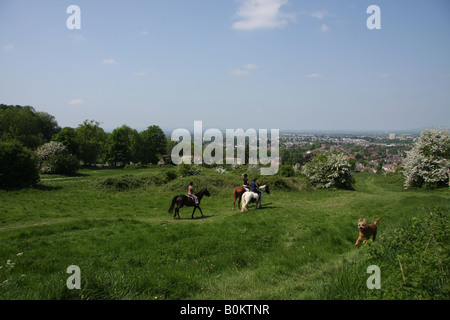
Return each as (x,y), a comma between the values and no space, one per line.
(299,246)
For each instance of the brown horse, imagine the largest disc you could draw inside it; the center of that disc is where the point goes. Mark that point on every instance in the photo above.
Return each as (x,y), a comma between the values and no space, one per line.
(237,194)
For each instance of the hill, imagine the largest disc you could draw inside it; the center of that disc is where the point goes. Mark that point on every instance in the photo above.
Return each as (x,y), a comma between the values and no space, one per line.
(114,225)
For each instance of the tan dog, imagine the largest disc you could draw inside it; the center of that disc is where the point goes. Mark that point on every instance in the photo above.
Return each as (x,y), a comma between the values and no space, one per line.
(366,231)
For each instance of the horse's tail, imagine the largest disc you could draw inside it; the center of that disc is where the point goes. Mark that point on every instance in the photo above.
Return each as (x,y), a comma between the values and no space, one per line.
(173,204)
(244,204)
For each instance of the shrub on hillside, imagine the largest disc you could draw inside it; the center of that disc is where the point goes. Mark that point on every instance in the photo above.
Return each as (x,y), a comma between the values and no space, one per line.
(418,255)
(329,170)
(54,158)
(220,170)
(18,166)
(124,182)
(186,170)
(128,182)
(286,171)
(428,162)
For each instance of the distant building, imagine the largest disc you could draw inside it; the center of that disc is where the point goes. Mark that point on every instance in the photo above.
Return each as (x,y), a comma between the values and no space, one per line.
(391,167)
(392,136)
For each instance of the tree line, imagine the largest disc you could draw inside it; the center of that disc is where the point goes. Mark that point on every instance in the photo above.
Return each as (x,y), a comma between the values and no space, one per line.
(31,143)
(31,139)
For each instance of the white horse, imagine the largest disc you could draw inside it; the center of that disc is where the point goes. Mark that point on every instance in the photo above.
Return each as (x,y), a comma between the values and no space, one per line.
(249,197)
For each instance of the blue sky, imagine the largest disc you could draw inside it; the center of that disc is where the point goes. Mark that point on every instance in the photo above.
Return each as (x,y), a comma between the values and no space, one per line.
(273,64)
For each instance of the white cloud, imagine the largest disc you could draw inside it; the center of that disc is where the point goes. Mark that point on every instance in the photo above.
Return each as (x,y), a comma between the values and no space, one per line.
(324,28)
(320,14)
(245,70)
(239,72)
(8,47)
(315,75)
(76,102)
(261,14)
(251,66)
(143,32)
(141,73)
(108,61)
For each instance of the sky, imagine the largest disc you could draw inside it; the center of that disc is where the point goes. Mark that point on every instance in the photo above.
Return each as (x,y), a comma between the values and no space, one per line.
(263,64)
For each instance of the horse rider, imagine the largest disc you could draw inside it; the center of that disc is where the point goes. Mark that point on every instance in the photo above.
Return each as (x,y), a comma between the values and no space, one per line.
(254,187)
(191,193)
(246,185)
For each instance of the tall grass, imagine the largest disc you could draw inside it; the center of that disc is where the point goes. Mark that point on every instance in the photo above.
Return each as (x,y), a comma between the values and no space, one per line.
(114,225)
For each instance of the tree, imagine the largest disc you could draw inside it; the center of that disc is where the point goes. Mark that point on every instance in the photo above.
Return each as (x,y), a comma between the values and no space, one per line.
(47,125)
(329,170)
(18,165)
(91,139)
(26,125)
(122,145)
(153,144)
(55,158)
(291,156)
(68,137)
(428,162)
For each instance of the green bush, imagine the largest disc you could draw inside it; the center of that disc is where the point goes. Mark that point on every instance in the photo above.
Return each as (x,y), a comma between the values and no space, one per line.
(418,255)
(18,165)
(123,183)
(169,175)
(414,263)
(186,170)
(54,158)
(129,182)
(286,171)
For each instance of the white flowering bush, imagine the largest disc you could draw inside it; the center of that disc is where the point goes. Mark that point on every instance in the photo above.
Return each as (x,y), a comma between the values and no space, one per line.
(236,166)
(220,170)
(428,162)
(54,158)
(329,170)
(297,167)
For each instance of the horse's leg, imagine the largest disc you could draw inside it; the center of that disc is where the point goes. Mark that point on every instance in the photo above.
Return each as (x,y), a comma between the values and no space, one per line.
(195,208)
(201,211)
(178,210)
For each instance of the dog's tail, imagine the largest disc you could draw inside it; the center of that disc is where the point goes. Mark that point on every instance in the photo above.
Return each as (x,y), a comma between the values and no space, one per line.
(376,221)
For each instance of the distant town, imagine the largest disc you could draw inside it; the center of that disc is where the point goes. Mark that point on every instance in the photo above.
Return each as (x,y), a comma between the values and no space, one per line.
(373,153)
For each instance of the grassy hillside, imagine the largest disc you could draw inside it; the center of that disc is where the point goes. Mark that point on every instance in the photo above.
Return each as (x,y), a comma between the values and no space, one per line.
(117,229)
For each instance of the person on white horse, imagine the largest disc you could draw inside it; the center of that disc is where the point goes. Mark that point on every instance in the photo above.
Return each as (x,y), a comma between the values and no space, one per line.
(254,195)
(254,188)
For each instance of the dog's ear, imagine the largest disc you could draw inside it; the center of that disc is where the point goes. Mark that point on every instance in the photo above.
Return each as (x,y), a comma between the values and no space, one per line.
(360,219)
(364,220)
